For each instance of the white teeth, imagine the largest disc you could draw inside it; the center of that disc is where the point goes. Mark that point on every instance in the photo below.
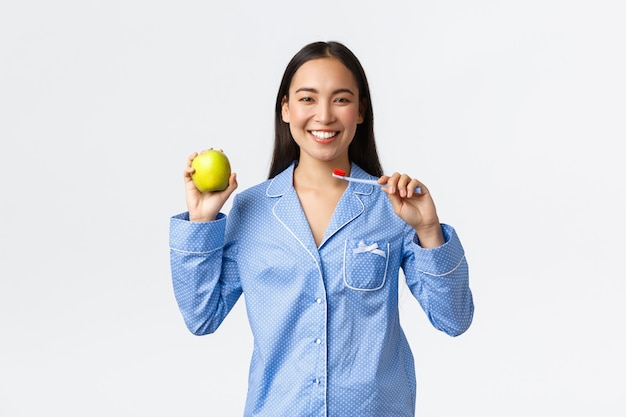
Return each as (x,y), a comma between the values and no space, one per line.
(323,135)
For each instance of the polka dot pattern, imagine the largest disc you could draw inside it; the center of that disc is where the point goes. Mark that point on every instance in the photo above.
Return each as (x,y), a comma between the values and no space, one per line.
(325,320)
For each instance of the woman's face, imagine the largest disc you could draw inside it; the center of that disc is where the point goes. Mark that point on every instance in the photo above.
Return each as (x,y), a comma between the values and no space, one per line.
(323,109)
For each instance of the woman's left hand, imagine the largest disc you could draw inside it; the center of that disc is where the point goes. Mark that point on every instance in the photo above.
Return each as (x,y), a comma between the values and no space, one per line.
(417,210)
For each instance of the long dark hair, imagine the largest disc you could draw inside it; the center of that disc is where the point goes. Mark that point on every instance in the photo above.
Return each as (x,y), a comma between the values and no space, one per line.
(362,149)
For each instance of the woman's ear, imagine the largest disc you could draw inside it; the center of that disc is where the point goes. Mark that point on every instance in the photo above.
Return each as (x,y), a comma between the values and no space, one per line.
(362,109)
(285,109)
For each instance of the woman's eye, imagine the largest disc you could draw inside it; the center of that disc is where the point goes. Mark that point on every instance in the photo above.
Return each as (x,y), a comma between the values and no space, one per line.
(306,99)
(342,100)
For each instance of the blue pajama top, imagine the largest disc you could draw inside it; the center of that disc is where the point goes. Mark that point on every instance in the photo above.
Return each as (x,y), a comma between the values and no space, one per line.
(325,320)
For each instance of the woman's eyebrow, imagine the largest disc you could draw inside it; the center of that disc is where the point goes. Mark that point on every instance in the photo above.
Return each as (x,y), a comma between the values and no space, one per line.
(313,90)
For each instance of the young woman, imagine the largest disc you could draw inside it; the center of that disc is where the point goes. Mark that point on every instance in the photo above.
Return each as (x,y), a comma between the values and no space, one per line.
(318,258)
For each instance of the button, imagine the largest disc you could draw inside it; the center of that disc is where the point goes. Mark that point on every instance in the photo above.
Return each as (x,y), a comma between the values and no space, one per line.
(318,341)
(318,301)
(316,381)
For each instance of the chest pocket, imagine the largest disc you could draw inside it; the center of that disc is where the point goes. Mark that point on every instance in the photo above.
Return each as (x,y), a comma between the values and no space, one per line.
(365,264)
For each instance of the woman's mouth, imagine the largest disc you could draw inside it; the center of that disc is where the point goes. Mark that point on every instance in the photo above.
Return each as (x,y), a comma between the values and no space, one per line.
(323,135)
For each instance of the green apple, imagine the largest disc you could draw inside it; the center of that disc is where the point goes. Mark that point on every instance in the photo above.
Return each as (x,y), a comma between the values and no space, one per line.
(212,171)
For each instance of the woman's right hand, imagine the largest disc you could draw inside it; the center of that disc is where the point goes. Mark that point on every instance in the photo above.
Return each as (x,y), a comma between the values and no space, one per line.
(204,207)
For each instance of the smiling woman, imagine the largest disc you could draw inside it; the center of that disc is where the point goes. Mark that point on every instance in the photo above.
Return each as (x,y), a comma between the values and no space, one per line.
(318,258)
(362,150)
(323,110)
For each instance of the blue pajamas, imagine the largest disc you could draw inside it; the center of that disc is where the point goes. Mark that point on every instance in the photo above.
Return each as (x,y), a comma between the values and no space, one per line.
(325,320)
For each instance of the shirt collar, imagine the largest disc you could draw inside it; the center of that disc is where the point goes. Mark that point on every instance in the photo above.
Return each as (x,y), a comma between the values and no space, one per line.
(283,182)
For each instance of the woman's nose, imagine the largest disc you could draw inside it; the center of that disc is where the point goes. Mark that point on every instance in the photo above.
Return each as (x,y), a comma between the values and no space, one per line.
(325,113)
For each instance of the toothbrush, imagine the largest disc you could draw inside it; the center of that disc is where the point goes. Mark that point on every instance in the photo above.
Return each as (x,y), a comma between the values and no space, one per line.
(341,174)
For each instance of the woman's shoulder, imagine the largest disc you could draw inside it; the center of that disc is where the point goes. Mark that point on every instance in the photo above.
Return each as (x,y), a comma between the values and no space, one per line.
(255,191)
(272,187)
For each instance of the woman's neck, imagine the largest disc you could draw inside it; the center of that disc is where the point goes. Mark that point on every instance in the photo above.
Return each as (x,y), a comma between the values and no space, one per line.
(318,174)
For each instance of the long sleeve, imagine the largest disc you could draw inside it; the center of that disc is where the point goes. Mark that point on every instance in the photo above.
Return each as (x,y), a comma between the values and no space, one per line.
(439,280)
(204,277)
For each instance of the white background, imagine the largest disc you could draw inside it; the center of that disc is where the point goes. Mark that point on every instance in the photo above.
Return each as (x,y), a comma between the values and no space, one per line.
(511,112)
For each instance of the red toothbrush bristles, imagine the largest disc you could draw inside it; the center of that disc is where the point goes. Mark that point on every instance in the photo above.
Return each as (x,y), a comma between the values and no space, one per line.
(339,172)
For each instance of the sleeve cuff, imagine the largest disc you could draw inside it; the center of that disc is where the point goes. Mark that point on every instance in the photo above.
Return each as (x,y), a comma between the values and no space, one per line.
(186,236)
(441,260)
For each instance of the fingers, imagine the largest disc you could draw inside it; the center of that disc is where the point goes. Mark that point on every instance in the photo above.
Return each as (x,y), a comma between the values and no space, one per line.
(402,185)
(191,157)
(232,183)
(188,169)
